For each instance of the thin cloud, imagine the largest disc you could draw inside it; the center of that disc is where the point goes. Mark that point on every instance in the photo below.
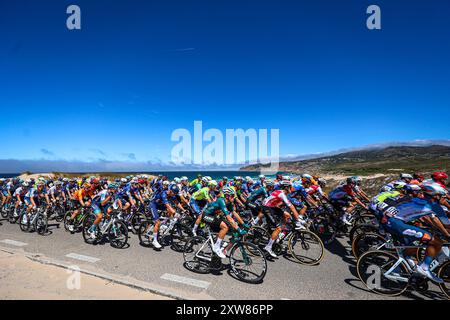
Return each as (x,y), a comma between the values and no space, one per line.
(184,49)
(100,152)
(47,152)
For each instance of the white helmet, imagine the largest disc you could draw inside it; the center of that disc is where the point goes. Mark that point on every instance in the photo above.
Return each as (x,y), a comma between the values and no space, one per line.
(176,180)
(123,180)
(184,179)
(261,176)
(434,189)
(406,176)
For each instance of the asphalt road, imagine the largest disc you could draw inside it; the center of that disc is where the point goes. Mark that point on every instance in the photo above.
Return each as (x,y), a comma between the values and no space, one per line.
(334,278)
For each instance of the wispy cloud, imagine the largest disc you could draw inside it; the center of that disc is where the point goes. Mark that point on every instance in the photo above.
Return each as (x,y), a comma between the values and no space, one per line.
(98,151)
(47,152)
(184,49)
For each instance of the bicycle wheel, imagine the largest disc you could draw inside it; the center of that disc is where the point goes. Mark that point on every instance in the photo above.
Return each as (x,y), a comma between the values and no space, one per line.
(41,224)
(306,247)
(4,211)
(24,222)
(180,234)
(118,235)
(145,234)
(362,228)
(67,221)
(59,212)
(325,230)
(87,224)
(248,262)
(198,255)
(136,221)
(372,267)
(364,218)
(365,242)
(258,236)
(444,274)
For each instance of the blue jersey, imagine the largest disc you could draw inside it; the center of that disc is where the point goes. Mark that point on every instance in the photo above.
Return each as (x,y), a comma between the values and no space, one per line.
(415,209)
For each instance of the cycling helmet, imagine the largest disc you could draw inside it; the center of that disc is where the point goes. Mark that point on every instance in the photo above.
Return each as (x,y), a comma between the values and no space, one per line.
(406,176)
(307,176)
(418,176)
(434,189)
(351,180)
(25,185)
(399,185)
(184,179)
(286,178)
(322,182)
(413,188)
(166,183)
(87,185)
(297,185)
(438,176)
(212,183)
(250,181)
(270,183)
(228,191)
(225,178)
(206,179)
(176,180)
(261,176)
(58,183)
(112,186)
(285,183)
(123,180)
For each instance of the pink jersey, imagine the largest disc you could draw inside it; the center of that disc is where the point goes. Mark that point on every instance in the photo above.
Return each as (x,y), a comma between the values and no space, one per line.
(276,199)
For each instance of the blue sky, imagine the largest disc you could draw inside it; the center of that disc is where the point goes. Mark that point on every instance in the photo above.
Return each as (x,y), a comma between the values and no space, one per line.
(138,70)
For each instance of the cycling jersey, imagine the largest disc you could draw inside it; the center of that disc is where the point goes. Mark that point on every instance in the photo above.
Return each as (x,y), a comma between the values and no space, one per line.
(342,192)
(415,209)
(257,194)
(276,199)
(218,205)
(202,194)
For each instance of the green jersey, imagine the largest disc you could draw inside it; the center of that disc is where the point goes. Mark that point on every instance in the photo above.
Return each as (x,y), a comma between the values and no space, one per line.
(258,193)
(218,205)
(202,194)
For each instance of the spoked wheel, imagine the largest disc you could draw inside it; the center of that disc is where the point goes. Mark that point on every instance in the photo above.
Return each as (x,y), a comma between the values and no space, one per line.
(41,224)
(372,268)
(365,242)
(198,255)
(68,222)
(444,274)
(325,230)
(4,212)
(59,213)
(25,222)
(118,235)
(258,236)
(306,247)
(180,234)
(145,233)
(362,228)
(87,224)
(364,219)
(248,262)
(136,221)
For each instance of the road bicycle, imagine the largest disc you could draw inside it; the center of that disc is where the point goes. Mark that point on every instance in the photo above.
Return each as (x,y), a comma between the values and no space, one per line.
(246,260)
(389,273)
(110,227)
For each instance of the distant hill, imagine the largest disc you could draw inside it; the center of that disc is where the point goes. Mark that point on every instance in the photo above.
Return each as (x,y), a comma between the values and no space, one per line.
(372,161)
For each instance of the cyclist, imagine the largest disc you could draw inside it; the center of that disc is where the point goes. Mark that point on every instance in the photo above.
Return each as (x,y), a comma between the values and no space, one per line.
(217,224)
(399,220)
(199,200)
(272,207)
(344,198)
(100,205)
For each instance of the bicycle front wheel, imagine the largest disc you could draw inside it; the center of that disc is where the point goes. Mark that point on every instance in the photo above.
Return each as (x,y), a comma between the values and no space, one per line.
(444,274)
(198,255)
(41,224)
(306,247)
(248,262)
(375,269)
(118,235)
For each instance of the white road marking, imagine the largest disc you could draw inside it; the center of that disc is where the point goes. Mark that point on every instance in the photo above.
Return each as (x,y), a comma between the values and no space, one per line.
(285,299)
(14,243)
(184,280)
(82,257)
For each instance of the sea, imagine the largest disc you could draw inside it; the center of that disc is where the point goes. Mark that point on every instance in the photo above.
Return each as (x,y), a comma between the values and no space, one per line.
(216,175)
